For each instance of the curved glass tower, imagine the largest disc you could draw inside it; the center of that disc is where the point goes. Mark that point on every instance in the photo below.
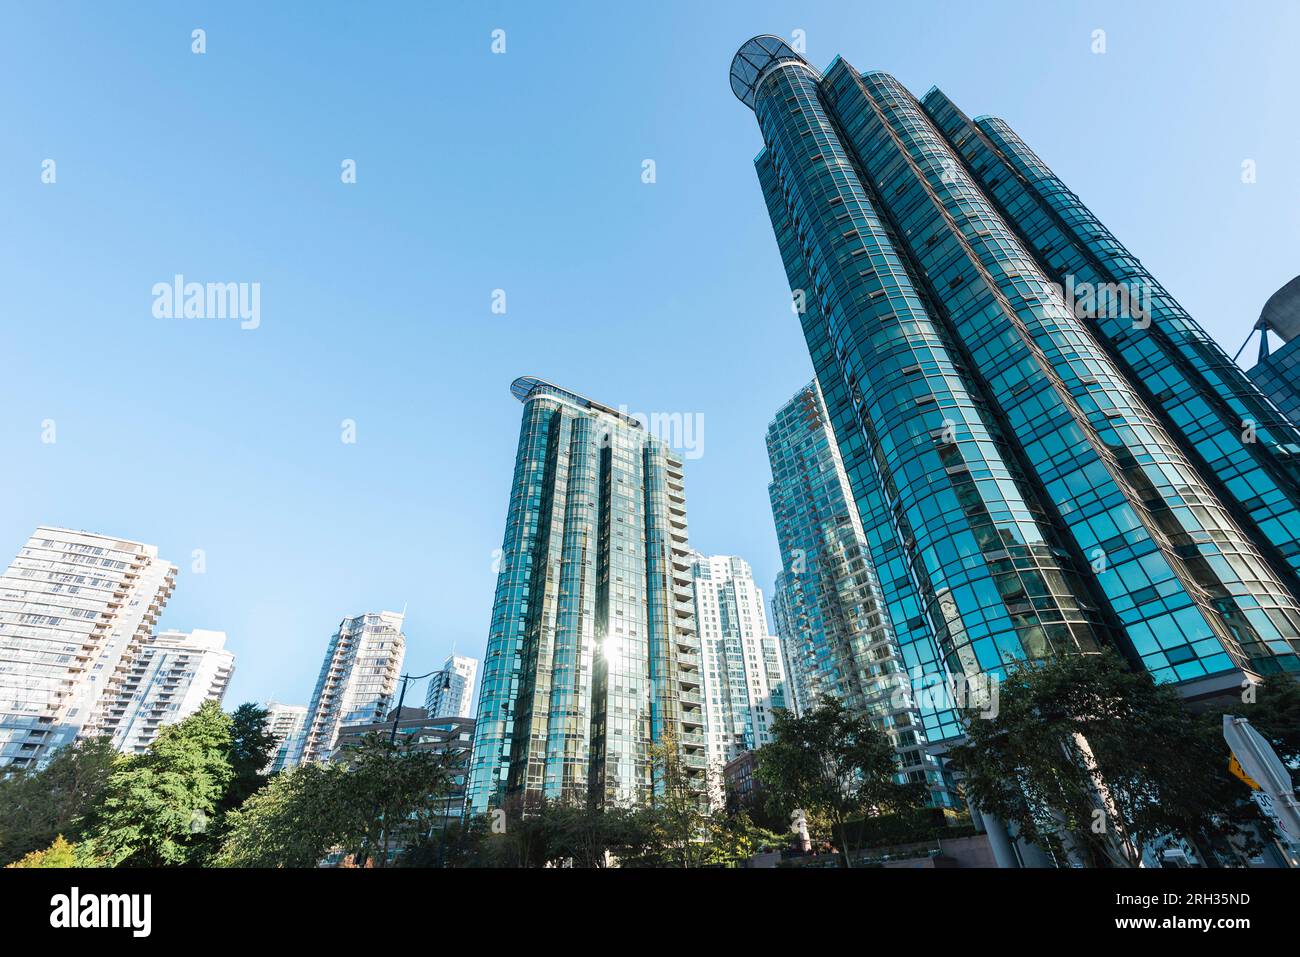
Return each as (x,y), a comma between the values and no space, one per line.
(1027,485)
(592,656)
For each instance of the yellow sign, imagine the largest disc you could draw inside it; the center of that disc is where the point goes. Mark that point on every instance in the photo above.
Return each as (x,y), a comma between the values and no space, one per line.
(1234,766)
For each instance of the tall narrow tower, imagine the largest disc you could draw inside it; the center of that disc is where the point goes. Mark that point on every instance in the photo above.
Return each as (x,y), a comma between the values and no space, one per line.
(287,724)
(1038,471)
(592,657)
(357,679)
(452,695)
(829,613)
(744,676)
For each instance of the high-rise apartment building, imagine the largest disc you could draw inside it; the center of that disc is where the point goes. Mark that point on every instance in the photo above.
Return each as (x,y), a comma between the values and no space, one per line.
(592,655)
(1277,373)
(827,603)
(357,679)
(1047,454)
(287,724)
(172,675)
(75,611)
(744,678)
(452,696)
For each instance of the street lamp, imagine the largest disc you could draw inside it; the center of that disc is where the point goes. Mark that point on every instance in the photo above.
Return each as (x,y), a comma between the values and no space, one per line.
(397,712)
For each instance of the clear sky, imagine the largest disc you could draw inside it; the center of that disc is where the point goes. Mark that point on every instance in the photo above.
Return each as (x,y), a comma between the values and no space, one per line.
(519,171)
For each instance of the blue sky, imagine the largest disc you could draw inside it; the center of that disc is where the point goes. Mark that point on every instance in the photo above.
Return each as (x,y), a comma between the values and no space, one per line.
(519,172)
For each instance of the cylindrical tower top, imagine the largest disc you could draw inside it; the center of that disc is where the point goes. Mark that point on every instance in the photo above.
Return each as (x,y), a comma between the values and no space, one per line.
(755,56)
(1282,312)
(528,386)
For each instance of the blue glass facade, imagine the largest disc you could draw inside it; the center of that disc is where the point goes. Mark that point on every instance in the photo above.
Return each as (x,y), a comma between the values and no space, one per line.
(592,655)
(1190,385)
(1022,491)
(828,608)
(1278,377)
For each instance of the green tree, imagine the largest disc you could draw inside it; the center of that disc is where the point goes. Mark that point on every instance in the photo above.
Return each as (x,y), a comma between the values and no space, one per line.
(158,806)
(379,797)
(834,762)
(676,814)
(251,746)
(734,838)
(59,854)
(404,786)
(38,806)
(1095,761)
(294,821)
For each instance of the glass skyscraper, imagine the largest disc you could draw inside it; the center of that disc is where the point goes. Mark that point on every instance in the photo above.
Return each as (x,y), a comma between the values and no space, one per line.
(827,603)
(1038,470)
(592,652)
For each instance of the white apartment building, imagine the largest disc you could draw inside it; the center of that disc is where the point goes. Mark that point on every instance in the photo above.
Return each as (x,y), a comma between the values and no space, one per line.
(454,696)
(173,674)
(286,723)
(76,609)
(744,676)
(357,679)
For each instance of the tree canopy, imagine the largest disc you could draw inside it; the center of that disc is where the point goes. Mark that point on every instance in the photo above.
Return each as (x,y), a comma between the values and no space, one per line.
(833,761)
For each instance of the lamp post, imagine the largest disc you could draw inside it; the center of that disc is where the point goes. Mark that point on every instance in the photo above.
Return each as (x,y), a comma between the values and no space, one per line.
(401,698)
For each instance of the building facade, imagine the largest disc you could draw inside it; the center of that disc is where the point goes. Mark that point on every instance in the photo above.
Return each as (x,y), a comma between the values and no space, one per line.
(742,788)
(454,695)
(592,668)
(75,611)
(828,607)
(287,723)
(357,679)
(1277,373)
(172,675)
(448,735)
(1039,470)
(744,677)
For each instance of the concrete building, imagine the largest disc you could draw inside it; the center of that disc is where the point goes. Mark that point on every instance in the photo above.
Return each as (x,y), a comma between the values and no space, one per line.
(76,609)
(172,675)
(288,724)
(357,679)
(453,696)
(744,678)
